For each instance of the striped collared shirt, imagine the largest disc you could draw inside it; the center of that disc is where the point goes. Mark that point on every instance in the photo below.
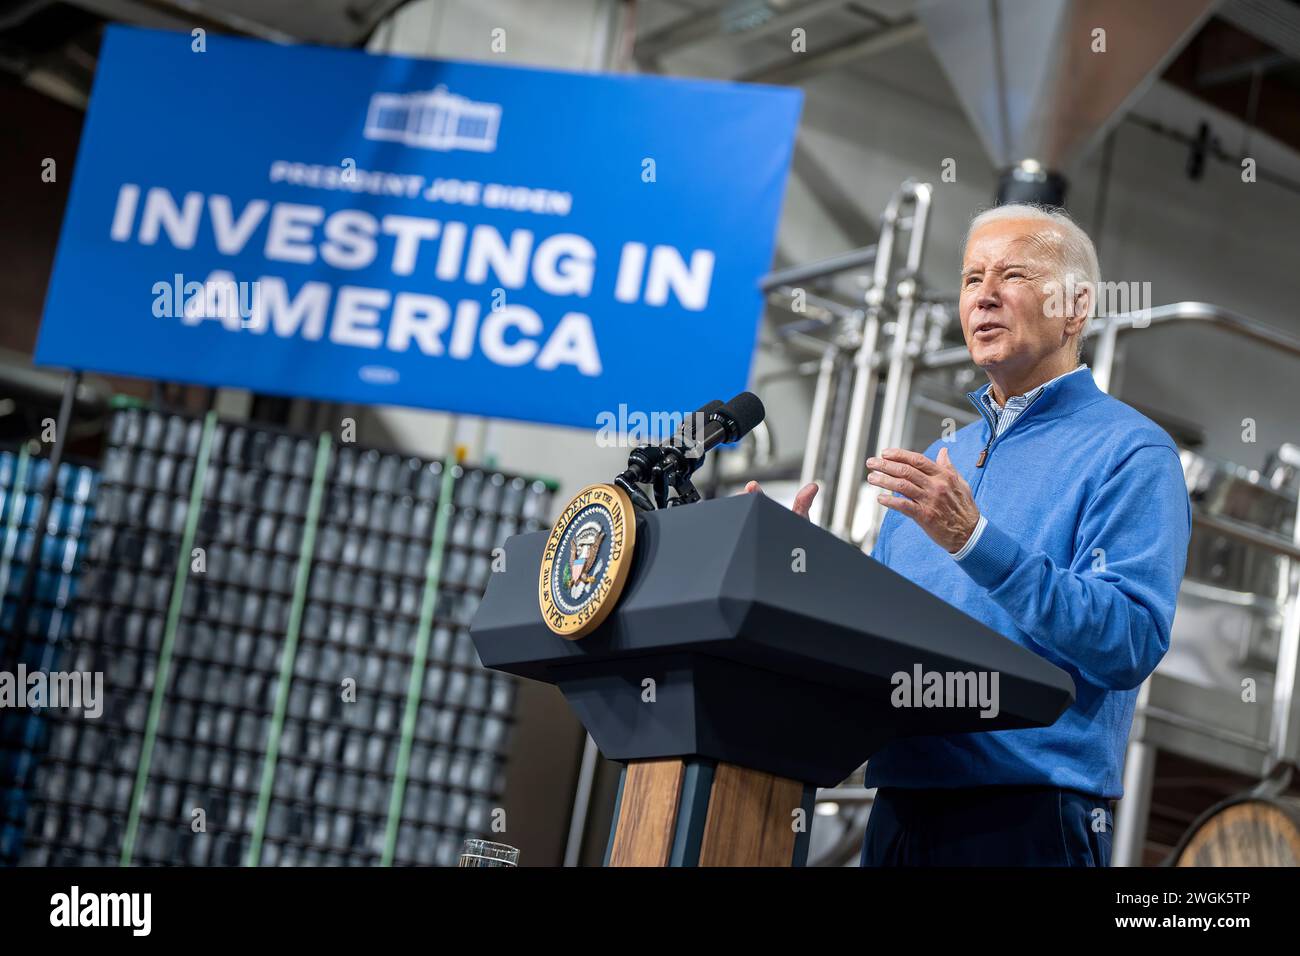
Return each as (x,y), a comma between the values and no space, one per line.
(1003,418)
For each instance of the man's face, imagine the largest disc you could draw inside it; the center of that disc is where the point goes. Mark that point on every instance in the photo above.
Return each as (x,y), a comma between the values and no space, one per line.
(1004,309)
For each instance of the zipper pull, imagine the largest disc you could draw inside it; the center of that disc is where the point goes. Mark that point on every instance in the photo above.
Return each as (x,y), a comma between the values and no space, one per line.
(984,453)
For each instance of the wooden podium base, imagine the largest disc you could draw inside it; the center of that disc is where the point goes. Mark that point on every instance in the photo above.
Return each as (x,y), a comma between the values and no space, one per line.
(693,812)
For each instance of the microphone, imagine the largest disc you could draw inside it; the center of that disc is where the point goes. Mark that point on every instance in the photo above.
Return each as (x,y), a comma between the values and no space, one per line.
(671,463)
(642,461)
(729,423)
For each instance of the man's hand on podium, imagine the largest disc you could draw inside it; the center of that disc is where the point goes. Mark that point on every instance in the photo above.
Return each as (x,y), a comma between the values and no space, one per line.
(802,501)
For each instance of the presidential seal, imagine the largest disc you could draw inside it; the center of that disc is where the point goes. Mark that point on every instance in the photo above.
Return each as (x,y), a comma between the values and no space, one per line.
(587,560)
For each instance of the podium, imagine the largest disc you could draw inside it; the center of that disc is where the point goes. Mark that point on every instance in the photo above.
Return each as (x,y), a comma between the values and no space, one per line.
(751,659)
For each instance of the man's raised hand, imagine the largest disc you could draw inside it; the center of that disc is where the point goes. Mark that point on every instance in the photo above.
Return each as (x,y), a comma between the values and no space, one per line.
(933,494)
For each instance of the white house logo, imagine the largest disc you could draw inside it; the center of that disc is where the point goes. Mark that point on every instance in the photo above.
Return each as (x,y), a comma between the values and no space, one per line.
(434,119)
(379,374)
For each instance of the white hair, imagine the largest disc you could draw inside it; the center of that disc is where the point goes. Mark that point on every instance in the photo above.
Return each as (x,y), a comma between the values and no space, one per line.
(1074,252)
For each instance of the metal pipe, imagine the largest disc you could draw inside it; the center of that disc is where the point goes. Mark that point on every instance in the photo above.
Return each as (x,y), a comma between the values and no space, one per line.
(802,66)
(179,15)
(1281,736)
(898,380)
(581,802)
(863,395)
(1222,595)
(963,416)
(897,386)
(907,294)
(862,402)
(762,444)
(689,31)
(827,373)
(1255,66)
(783,297)
(802,370)
(1213,731)
(1103,360)
(18,379)
(1212,315)
(1249,534)
(841,262)
(21,11)
(1133,810)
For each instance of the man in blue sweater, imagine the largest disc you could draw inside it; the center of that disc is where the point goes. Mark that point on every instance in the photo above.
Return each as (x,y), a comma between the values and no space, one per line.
(1060,519)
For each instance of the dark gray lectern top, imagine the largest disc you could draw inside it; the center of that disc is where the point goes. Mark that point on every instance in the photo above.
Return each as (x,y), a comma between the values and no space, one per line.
(754,661)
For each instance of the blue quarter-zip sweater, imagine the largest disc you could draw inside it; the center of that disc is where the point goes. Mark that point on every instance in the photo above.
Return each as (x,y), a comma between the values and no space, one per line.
(1085,546)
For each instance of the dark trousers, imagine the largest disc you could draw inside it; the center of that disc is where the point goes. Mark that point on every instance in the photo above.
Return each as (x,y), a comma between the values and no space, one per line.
(988,826)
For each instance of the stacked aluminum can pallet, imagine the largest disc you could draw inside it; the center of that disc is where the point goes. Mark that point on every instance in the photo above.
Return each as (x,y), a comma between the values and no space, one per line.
(308,605)
(23,729)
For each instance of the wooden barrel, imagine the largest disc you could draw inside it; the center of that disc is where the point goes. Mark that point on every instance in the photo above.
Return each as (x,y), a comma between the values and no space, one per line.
(1248,831)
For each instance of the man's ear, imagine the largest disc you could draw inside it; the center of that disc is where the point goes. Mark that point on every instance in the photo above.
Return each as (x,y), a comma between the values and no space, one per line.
(1080,309)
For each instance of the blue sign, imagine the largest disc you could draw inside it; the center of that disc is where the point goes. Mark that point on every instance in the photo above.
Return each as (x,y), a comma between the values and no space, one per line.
(493,240)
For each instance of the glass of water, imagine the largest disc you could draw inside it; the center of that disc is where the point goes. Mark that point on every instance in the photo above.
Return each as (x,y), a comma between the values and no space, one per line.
(486,853)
